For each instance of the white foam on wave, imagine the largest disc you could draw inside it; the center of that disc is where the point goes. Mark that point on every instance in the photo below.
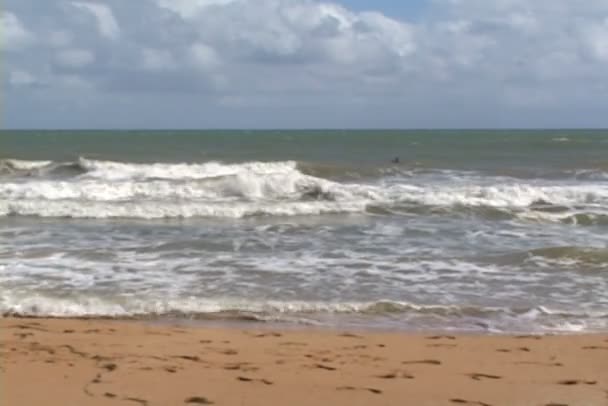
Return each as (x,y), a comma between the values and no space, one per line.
(497,319)
(228,188)
(110,170)
(276,188)
(279,195)
(516,195)
(17,166)
(212,181)
(22,165)
(156,210)
(39,305)
(133,306)
(290,185)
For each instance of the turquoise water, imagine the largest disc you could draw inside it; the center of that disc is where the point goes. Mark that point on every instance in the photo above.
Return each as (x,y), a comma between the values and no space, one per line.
(468,230)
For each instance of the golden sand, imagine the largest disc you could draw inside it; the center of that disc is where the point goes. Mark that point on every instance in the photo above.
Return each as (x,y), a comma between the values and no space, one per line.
(97,362)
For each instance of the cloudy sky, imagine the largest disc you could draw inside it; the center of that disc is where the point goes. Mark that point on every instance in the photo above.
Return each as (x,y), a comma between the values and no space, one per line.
(304,63)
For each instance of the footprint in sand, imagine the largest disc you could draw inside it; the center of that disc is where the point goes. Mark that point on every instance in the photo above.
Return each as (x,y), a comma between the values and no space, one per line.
(325,367)
(38,347)
(395,375)
(521,349)
(74,351)
(271,334)
(228,352)
(142,402)
(542,364)
(241,366)
(469,402)
(479,377)
(198,400)
(109,367)
(29,327)
(293,344)
(192,358)
(441,345)
(572,382)
(350,335)
(423,362)
(245,379)
(355,347)
(352,388)
(529,336)
(441,338)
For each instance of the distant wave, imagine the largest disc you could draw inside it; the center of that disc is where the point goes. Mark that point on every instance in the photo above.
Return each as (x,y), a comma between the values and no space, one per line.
(18,168)
(111,170)
(17,164)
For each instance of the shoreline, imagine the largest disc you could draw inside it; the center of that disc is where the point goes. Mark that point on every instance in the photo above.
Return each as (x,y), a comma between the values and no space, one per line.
(252,323)
(130,362)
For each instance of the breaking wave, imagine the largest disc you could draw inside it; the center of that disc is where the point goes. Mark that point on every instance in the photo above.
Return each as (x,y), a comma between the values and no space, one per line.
(104,189)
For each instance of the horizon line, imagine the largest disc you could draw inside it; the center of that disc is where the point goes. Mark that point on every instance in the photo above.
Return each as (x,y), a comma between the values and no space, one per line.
(313,129)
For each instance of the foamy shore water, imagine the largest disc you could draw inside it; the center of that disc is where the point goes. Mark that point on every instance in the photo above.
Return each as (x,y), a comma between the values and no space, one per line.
(477,246)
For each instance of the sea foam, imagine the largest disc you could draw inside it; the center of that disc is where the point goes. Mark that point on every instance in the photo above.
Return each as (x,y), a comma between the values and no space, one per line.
(104,189)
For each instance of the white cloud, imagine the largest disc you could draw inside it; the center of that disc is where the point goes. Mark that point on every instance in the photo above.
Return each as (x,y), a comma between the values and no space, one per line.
(106,22)
(596,37)
(75,58)
(395,35)
(190,8)
(72,82)
(20,78)
(59,39)
(511,54)
(157,60)
(294,32)
(204,56)
(14,34)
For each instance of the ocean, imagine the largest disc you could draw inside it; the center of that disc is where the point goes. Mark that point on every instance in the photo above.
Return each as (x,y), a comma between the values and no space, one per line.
(468,231)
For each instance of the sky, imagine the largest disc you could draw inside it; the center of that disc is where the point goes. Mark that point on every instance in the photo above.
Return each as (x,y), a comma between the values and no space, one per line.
(195,64)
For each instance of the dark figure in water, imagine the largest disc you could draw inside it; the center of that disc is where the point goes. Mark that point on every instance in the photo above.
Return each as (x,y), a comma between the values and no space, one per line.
(396,160)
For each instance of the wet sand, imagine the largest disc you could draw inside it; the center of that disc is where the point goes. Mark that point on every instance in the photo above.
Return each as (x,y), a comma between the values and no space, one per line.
(96,362)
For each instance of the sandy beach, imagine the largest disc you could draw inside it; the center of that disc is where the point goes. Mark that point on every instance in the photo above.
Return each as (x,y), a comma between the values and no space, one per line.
(93,362)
